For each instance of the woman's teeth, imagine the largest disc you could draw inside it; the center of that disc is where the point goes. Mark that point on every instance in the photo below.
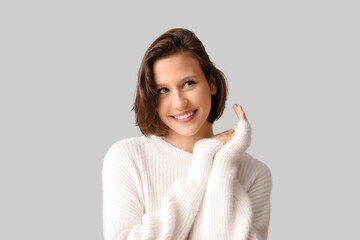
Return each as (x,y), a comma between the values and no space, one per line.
(185,116)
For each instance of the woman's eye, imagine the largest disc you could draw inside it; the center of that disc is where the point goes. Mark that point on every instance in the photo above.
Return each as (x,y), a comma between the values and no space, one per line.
(162,90)
(189,83)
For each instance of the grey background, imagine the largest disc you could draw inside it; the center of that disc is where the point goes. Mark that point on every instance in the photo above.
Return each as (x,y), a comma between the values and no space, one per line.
(68,74)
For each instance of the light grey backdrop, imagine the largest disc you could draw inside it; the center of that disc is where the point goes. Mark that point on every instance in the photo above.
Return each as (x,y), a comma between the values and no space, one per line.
(68,74)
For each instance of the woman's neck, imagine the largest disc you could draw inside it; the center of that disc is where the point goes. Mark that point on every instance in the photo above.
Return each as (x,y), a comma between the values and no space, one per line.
(187,142)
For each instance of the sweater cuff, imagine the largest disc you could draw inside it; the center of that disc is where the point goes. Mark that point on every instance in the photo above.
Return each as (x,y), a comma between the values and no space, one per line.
(203,156)
(243,134)
(239,143)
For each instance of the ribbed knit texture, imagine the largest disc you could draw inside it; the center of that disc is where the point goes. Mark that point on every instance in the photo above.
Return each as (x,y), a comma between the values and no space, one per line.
(154,190)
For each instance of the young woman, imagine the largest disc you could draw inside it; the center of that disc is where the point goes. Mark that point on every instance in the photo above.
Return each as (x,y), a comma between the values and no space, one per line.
(179,180)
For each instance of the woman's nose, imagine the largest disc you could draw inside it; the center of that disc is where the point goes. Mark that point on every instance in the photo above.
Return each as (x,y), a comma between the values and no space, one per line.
(180,101)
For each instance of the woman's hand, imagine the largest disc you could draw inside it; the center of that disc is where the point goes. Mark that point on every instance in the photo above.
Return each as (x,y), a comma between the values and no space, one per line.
(224,136)
(227,135)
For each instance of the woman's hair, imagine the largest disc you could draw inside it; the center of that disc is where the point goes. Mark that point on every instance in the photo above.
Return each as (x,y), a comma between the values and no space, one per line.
(173,41)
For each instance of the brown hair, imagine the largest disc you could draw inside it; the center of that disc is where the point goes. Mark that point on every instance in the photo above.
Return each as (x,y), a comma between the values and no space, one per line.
(173,41)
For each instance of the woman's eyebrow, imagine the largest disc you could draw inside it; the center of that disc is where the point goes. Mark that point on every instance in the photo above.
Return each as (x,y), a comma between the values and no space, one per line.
(180,81)
(187,78)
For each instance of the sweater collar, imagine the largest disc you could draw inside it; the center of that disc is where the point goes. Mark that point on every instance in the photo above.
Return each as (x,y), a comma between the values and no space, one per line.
(167,148)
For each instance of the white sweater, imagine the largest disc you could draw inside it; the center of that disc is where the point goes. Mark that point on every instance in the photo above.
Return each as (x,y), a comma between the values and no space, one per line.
(154,190)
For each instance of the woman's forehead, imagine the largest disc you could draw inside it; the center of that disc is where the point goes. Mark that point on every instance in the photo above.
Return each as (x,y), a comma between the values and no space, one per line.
(176,68)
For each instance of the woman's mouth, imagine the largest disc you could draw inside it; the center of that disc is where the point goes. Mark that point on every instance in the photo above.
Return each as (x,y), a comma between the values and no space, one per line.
(186,117)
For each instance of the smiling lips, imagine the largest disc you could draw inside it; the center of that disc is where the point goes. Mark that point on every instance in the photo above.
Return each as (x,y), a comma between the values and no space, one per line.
(185,117)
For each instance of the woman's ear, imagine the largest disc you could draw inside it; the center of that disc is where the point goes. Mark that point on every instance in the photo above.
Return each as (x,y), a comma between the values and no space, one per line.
(213,87)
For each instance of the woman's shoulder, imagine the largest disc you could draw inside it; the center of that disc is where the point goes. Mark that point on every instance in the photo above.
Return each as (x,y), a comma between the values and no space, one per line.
(128,145)
(138,140)
(256,162)
(125,156)
(127,149)
(252,168)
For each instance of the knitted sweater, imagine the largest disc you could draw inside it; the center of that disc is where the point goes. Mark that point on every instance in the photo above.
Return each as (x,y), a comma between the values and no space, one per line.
(154,190)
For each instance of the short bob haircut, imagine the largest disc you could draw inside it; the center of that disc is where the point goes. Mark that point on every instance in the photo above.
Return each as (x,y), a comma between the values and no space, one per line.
(173,41)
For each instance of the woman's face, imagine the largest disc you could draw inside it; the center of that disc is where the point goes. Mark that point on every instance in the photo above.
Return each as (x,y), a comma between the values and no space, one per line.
(184,100)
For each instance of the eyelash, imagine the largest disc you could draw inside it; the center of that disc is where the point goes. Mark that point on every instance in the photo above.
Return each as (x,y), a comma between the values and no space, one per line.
(190,81)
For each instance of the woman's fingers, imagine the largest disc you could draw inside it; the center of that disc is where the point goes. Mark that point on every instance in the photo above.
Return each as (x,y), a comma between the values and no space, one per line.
(225,136)
(239,112)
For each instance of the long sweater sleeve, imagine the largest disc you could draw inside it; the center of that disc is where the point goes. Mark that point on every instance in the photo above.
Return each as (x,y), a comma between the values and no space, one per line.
(230,210)
(123,212)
